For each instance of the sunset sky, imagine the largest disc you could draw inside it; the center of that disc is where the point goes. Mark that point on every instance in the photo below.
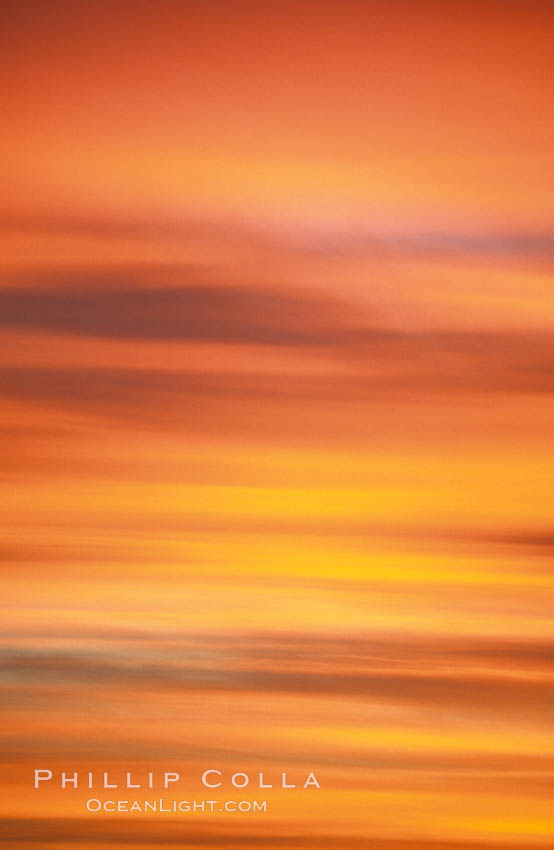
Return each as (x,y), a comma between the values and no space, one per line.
(277,451)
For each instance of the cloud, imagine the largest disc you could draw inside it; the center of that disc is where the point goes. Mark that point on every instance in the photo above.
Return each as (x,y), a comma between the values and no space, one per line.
(304,239)
(363,365)
(499,244)
(453,675)
(189,313)
(154,833)
(408,368)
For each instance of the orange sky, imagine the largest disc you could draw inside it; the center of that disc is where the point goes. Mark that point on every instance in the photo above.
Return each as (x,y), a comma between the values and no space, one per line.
(276,370)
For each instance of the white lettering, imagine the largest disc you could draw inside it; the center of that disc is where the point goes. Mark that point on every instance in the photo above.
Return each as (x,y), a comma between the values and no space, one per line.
(40,778)
(205,780)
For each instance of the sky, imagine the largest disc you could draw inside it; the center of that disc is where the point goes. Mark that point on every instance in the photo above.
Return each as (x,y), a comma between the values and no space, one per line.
(276,372)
